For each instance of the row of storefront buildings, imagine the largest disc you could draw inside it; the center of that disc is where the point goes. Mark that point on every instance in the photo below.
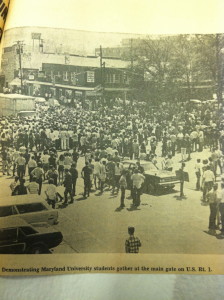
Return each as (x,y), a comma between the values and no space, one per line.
(63,74)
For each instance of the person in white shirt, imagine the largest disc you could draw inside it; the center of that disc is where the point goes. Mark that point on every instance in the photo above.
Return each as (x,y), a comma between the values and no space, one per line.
(207,181)
(137,181)
(51,193)
(96,173)
(45,162)
(32,164)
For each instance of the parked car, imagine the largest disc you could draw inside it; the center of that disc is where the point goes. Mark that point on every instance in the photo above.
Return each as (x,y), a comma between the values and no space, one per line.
(155,180)
(31,208)
(19,237)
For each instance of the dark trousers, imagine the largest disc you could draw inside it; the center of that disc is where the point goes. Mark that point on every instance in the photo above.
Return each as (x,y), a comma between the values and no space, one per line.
(29,171)
(136,193)
(122,196)
(173,148)
(74,186)
(68,190)
(21,171)
(87,186)
(39,181)
(181,188)
(212,217)
(198,175)
(207,187)
(14,169)
(221,210)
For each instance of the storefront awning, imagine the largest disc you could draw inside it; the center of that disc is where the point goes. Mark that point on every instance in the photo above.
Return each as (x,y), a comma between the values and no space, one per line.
(15,81)
(69,87)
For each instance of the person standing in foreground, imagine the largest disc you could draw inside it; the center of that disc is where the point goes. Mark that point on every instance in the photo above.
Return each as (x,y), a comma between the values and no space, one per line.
(123,186)
(86,172)
(38,173)
(213,203)
(137,179)
(208,181)
(68,187)
(221,208)
(51,193)
(133,243)
(181,172)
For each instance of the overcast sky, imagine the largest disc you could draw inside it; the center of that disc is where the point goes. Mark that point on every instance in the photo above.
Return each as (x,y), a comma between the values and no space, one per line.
(130,16)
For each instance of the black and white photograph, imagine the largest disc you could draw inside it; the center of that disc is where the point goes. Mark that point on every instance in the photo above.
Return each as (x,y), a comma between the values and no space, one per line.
(111,142)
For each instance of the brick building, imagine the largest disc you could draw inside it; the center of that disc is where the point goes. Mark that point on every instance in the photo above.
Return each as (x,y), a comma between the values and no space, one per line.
(64,74)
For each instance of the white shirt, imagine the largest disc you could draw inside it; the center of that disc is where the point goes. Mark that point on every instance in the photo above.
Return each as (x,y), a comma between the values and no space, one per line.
(221,196)
(138,180)
(51,191)
(208,176)
(45,158)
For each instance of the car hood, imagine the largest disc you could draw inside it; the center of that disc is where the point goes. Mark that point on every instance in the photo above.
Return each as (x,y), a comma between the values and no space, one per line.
(44,228)
(160,173)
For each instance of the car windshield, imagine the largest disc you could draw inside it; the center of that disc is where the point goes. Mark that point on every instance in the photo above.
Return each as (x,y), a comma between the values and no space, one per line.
(149,166)
(31,207)
(28,230)
(6,211)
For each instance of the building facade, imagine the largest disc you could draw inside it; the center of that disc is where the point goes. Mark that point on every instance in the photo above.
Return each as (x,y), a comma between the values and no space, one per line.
(63,74)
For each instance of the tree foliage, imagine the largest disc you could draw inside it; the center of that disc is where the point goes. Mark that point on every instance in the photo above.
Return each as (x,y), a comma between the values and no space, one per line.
(171,67)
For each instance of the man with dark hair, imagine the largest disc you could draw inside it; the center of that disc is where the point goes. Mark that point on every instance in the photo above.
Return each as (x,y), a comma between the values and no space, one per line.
(20,189)
(86,172)
(181,174)
(133,243)
(74,174)
(38,174)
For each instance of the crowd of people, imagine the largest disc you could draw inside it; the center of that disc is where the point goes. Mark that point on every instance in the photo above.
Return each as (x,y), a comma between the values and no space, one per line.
(47,147)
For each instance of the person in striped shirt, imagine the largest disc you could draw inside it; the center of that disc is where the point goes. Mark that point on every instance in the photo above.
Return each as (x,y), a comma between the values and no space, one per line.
(33,186)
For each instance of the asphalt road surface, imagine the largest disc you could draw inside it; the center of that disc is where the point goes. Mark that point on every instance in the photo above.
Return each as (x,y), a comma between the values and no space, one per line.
(163,223)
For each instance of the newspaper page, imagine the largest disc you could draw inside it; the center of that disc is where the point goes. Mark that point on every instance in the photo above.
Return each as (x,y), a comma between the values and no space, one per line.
(111,140)
(4,5)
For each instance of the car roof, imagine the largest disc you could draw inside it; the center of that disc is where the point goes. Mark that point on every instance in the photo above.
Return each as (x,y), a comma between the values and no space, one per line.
(8,222)
(21,199)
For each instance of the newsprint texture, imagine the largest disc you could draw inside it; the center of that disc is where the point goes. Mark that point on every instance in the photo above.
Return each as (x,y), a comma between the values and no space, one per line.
(111,148)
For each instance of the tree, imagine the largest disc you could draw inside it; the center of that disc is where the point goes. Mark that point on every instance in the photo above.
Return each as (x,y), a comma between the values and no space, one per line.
(170,67)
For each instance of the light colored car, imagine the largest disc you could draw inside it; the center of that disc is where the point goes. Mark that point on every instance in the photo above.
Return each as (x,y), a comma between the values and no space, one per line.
(155,179)
(32,208)
(19,237)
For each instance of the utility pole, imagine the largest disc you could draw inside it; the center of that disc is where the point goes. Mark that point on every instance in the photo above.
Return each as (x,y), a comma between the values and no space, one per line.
(219,66)
(102,70)
(19,51)
(131,69)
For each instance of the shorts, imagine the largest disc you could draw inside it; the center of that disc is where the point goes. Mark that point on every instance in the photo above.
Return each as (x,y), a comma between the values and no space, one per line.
(60,168)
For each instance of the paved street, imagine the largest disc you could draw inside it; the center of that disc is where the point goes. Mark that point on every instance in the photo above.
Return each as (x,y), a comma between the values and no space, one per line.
(164,223)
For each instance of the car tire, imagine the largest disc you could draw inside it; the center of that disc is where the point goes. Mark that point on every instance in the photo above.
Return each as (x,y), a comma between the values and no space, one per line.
(38,249)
